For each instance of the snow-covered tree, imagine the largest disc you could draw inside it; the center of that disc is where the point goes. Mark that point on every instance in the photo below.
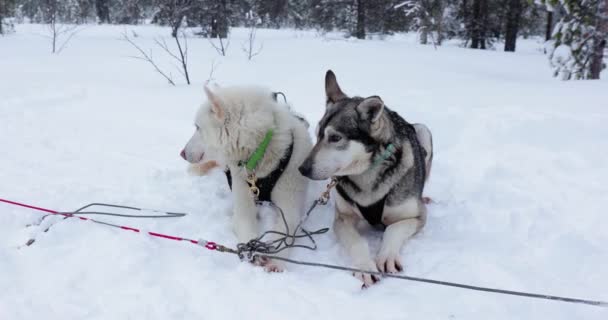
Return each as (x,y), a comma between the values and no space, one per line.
(427,18)
(579,38)
(6,10)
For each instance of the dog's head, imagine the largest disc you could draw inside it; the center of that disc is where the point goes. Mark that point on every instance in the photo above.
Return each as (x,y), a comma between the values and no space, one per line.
(347,136)
(228,123)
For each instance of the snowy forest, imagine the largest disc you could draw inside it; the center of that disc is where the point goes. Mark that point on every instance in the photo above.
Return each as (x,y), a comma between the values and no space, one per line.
(575,30)
(137,137)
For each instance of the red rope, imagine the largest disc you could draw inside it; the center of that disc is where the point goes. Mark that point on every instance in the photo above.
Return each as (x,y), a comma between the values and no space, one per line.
(28,206)
(207,244)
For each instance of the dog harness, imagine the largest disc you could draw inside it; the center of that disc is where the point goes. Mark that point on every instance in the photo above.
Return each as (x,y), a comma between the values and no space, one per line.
(267,183)
(372,213)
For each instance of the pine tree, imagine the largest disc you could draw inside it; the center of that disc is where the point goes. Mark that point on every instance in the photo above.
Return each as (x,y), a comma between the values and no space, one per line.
(102,8)
(579,39)
(299,13)
(479,26)
(332,14)
(85,10)
(428,18)
(127,11)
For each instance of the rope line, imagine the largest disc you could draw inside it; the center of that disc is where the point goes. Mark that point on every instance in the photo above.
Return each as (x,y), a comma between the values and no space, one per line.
(249,251)
(445,283)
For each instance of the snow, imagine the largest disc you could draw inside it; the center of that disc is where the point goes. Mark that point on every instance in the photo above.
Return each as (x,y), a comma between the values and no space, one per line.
(519,179)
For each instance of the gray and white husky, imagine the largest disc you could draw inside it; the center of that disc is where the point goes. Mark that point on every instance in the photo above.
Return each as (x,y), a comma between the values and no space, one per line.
(230,126)
(381,163)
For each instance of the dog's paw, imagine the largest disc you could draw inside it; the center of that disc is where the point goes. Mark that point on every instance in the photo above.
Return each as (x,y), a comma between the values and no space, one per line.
(366,278)
(269,265)
(274,266)
(389,263)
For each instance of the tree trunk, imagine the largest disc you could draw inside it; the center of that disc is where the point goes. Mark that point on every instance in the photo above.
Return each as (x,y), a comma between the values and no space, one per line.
(360,33)
(549,27)
(477,40)
(219,23)
(424,36)
(597,61)
(439,23)
(176,24)
(103,10)
(512,27)
(484,24)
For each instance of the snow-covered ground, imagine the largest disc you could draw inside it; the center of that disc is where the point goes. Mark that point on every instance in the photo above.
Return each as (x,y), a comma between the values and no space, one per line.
(519,179)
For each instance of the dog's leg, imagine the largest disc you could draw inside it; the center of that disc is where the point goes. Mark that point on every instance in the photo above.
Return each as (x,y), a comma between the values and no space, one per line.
(244,219)
(345,227)
(402,222)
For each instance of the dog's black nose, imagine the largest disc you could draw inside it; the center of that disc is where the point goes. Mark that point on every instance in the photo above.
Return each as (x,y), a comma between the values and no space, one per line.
(306,168)
(183,154)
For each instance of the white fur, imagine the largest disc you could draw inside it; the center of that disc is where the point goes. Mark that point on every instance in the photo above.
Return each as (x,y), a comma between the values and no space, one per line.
(345,227)
(330,161)
(232,123)
(402,221)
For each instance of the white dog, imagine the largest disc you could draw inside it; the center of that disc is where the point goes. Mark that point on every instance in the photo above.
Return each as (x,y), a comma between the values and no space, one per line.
(230,127)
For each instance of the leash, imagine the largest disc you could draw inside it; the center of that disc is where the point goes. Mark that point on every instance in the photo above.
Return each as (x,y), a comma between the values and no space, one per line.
(210,245)
(254,247)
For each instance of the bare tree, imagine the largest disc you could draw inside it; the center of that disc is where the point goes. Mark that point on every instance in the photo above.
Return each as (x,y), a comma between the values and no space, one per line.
(249,46)
(147,57)
(59,33)
(214,65)
(182,50)
(222,46)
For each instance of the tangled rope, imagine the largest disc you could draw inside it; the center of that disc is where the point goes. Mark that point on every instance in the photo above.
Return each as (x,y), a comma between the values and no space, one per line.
(284,240)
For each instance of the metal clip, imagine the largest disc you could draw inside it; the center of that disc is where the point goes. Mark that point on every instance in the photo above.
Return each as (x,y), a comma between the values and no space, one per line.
(252,180)
(325,195)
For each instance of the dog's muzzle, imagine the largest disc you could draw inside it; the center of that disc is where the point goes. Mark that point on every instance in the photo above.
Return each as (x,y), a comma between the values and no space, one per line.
(306,168)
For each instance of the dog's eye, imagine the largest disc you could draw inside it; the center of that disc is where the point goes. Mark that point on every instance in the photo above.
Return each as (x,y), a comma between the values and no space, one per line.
(334,138)
(197,127)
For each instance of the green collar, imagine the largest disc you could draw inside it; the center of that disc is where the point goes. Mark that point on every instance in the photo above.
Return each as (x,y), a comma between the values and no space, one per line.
(378,159)
(258,154)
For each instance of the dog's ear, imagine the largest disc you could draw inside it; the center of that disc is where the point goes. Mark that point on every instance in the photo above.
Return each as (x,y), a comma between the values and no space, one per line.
(371,108)
(216,105)
(332,89)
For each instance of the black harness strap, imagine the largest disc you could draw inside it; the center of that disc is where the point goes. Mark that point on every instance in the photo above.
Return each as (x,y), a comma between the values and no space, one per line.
(267,183)
(371,213)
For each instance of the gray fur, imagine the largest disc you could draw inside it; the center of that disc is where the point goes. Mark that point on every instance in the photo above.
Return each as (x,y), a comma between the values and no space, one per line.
(352,133)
